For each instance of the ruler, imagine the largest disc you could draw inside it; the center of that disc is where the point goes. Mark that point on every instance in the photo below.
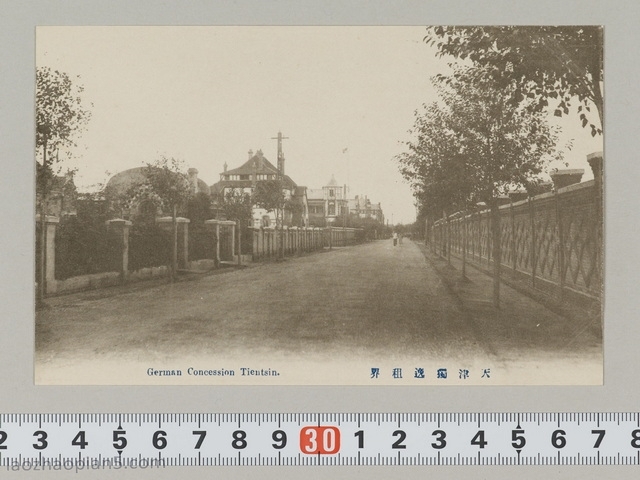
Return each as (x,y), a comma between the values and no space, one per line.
(67,441)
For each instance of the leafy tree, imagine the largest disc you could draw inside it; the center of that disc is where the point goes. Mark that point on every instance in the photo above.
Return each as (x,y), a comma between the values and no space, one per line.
(547,64)
(60,118)
(295,209)
(370,226)
(166,185)
(435,165)
(319,222)
(237,205)
(504,145)
(268,194)
(343,220)
(199,208)
(437,168)
(477,146)
(141,199)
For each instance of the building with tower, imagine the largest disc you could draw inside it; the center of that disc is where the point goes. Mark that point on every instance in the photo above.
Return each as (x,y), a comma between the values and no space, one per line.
(331,205)
(257,168)
(328,203)
(362,207)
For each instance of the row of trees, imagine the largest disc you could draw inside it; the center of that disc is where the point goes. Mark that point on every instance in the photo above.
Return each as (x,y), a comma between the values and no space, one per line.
(488,132)
(61,118)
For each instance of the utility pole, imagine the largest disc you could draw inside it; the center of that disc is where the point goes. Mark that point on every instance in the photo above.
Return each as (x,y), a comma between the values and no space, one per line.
(280,209)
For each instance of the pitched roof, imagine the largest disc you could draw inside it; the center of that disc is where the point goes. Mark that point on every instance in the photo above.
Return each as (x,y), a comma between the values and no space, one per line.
(258,163)
(218,187)
(332,182)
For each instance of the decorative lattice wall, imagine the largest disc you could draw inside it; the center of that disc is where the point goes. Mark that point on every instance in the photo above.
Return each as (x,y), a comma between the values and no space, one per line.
(553,240)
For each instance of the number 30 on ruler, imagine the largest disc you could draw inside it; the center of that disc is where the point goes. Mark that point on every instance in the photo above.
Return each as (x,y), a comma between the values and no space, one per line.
(320,440)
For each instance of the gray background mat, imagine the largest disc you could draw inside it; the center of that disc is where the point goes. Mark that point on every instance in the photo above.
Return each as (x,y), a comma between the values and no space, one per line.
(17,392)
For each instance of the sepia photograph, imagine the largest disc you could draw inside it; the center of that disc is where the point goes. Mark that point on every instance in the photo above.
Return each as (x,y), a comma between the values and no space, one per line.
(319,205)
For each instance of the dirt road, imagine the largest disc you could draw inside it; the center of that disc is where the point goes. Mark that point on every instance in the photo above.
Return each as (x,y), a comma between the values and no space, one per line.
(366,301)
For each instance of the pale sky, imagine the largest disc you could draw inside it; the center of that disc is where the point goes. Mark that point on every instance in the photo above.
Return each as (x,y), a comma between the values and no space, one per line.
(207,95)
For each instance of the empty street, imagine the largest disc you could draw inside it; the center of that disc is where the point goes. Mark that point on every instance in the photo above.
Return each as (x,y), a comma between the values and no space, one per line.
(322,318)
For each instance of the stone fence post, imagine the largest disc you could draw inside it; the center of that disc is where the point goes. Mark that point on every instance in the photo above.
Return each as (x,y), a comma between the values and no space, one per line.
(254,251)
(183,231)
(215,224)
(596,161)
(121,228)
(565,177)
(284,230)
(48,263)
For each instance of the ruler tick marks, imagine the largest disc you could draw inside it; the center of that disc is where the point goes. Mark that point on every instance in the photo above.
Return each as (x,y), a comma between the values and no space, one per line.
(375,428)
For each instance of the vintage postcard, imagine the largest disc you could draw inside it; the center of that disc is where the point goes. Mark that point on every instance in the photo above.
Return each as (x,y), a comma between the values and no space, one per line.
(319,205)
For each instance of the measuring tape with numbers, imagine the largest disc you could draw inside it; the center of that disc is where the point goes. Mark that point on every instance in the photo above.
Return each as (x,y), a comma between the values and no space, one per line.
(83,441)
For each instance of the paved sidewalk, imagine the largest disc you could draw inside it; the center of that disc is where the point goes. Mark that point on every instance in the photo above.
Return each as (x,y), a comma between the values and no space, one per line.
(521,327)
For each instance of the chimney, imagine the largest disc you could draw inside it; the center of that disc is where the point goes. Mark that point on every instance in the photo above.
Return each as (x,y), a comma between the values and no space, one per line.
(250,154)
(564,178)
(193,178)
(225,166)
(254,177)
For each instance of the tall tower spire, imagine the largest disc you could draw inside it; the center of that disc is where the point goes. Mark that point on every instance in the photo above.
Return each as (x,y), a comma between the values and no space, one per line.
(280,154)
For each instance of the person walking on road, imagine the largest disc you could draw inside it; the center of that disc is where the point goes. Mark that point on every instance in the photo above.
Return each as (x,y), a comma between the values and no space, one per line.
(395,239)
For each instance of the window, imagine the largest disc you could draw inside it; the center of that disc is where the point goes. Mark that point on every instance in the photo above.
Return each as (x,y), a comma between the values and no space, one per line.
(331,192)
